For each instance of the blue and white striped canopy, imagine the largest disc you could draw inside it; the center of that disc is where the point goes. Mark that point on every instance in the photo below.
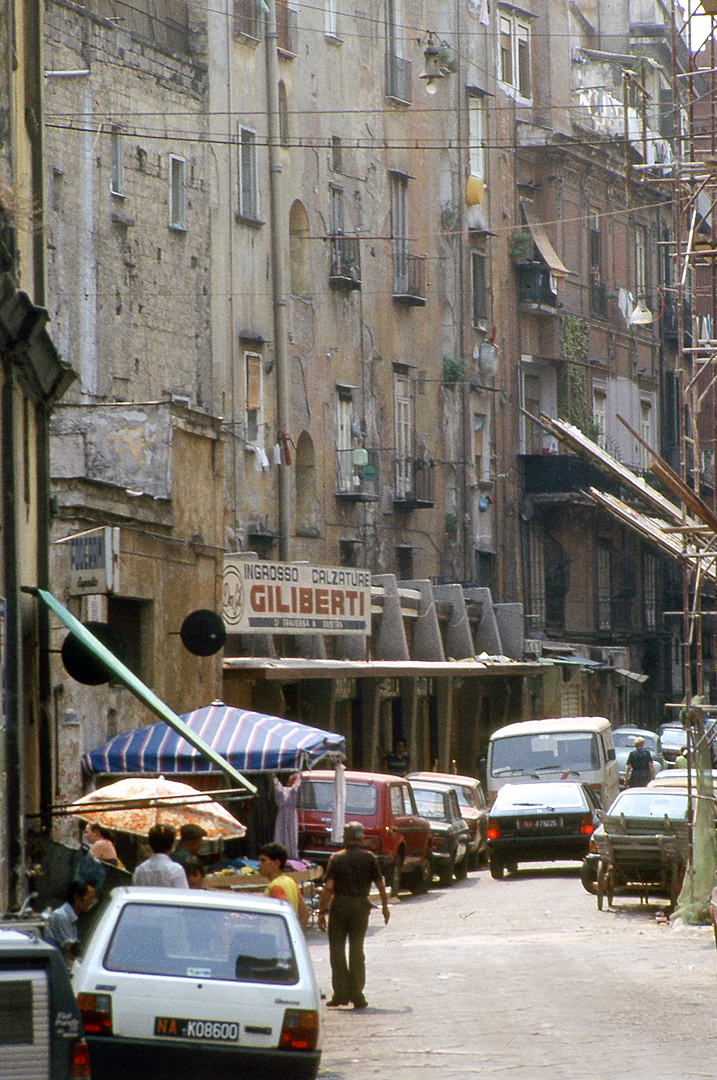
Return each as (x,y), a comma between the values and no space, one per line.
(250,741)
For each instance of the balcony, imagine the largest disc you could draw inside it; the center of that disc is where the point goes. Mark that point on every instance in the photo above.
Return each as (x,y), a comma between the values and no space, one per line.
(535,288)
(357,475)
(598,300)
(345,269)
(399,87)
(409,279)
(562,474)
(413,478)
(668,322)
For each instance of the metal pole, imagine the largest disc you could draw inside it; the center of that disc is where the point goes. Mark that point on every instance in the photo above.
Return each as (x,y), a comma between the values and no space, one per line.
(277,225)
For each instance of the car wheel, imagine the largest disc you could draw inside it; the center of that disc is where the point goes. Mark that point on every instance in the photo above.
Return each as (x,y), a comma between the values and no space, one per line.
(461,870)
(496,868)
(393,876)
(423,877)
(445,874)
(588,877)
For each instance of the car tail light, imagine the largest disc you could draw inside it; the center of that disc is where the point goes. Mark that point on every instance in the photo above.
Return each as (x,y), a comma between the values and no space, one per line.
(300,1030)
(493,832)
(79,1061)
(592,847)
(586,825)
(96,1013)
(438,842)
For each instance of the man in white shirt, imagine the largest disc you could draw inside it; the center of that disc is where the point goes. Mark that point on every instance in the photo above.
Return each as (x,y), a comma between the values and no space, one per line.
(159,869)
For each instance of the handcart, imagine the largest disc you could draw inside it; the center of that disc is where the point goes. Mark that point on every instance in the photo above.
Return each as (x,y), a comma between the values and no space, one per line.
(641,863)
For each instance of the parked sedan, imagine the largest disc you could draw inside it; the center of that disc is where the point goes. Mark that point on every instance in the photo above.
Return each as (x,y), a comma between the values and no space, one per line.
(185,984)
(540,822)
(672,738)
(473,808)
(624,739)
(450,835)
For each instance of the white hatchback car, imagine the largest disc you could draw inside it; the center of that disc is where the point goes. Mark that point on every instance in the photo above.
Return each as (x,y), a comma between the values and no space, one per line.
(188,983)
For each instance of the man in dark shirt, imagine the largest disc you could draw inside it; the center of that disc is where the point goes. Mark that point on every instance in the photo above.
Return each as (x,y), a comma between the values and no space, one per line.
(349,876)
(190,841)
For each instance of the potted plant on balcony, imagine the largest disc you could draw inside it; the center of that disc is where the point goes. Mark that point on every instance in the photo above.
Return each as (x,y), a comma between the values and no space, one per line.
(520,246)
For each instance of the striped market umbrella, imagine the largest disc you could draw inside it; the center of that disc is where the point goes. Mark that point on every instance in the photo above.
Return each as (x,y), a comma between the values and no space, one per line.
(250,741)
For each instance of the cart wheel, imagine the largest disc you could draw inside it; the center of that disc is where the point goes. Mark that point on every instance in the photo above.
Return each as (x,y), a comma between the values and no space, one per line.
(600,886)
(610,886)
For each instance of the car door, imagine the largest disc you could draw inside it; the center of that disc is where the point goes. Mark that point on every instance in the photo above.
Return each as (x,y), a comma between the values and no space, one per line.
(406,821)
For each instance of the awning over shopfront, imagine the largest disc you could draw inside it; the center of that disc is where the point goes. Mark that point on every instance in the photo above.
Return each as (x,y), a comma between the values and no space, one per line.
(250,741)
(127,678)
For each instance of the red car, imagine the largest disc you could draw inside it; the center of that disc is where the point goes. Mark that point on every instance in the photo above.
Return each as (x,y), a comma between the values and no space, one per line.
(385,806)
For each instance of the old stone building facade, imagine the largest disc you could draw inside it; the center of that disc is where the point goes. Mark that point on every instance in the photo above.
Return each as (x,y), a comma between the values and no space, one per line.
(333,264)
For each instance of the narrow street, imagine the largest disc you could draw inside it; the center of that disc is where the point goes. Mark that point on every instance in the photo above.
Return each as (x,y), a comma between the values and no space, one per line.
(524,977)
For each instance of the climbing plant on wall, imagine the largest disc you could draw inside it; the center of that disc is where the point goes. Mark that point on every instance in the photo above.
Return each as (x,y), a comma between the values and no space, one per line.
(573,399)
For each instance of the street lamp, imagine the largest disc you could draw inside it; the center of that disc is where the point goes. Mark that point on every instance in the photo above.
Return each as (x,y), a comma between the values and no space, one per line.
(432,65)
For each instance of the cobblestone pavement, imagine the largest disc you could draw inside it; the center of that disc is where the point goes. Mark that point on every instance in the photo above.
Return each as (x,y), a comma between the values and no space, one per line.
(525,978)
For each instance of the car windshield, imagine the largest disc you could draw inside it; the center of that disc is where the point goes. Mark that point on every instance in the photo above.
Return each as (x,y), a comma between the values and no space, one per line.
(650,804)
(671,736)
(576,750)
(319,795)
(543,796)
(202,943)
(430,804)
(626,739)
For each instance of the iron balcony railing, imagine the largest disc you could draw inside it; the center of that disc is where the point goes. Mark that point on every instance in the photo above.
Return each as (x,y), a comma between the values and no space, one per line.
(413,480)
(345,270)
(409,278)
(398,79)
(535,285)
(357,475)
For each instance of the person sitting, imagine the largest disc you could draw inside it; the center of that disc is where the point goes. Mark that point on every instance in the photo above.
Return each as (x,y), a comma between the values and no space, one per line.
(159,869)
(681,759)
(272,866)
(61,927)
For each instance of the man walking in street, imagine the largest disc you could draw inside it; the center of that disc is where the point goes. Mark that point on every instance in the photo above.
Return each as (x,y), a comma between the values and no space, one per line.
(349,876)
(159,869)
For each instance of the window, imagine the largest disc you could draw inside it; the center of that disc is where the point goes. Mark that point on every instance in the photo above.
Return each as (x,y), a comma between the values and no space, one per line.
(598,302)
(116,161)
(649,578)
(398,70)
(344,416)
(604,592)
(514,57)
(337,210)
(646,433)
(286,29)
(481,446)
(399,231)
(177,193)
(248,19)
(536,580)
(403,412)
(336,155)
(476,135)
(480,298)
(330,19)
(248,179)
(640,262)
(253,384)
(533,433)
(599,413)
(283,115)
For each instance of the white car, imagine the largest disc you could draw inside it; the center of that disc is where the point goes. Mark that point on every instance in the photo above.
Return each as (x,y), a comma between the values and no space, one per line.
(194,983)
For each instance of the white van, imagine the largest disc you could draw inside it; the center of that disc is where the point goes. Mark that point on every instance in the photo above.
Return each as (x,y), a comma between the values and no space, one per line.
(569,747)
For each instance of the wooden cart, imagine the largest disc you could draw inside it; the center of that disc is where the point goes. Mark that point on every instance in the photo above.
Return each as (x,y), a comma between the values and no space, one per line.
(634,861)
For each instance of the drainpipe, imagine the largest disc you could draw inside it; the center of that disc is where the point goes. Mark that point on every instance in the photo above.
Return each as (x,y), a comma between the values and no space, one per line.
(278,285)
